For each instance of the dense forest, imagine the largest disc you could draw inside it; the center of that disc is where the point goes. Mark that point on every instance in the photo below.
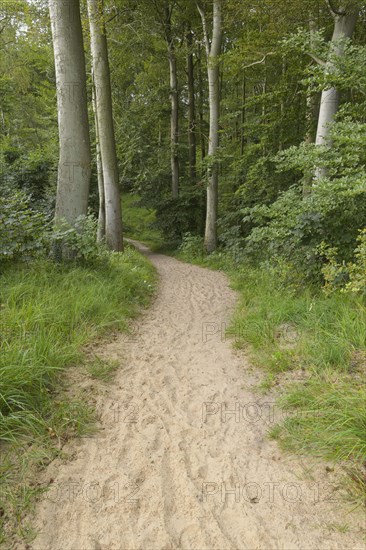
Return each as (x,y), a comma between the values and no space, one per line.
(256,107)
(230,134)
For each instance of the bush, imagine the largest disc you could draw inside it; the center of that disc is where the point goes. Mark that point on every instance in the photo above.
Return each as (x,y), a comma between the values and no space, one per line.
(290,231)
(27,234)
(349,277)
(192,247)
(177,216)
(23,231)
(79,241)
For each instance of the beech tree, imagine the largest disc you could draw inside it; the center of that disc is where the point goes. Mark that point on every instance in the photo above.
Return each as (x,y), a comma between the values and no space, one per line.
(345,17)
(213,49)
(105,126)
(174,115)
(101,212)
(74,144)
(164,14)
(192,141)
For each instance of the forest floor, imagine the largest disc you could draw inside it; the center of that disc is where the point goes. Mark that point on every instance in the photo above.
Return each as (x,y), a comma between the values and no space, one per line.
(182,458)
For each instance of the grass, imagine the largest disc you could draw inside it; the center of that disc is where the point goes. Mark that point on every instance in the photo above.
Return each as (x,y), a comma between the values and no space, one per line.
(312,348)
(49,312)
(139,221)
(102,369)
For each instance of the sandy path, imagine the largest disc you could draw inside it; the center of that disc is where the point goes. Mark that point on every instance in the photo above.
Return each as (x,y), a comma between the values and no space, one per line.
(155,476)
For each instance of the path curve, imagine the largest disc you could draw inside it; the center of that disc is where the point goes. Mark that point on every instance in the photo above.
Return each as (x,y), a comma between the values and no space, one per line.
(171,468)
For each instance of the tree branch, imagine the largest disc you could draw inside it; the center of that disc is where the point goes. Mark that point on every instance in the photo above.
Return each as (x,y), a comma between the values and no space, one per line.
(258,62)
(113,17)
(316,59)
(334,10)
(204,25)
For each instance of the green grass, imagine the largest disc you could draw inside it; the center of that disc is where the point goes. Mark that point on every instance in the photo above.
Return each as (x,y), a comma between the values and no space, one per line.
(139,221)
(48,313)
(318,342)
(102,369)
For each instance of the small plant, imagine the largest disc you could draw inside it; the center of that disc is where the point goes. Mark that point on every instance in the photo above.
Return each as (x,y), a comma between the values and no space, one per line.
(102,369)
(192,246)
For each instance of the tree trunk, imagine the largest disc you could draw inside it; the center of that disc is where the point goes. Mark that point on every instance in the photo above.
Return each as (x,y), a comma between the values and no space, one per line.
(200,106)
(174,121)
(192,146)
(344,25)
(103,96)
(213,72)
(101,215)
(311,104)
(174,114)
(311,98)
(243,112)
(74,144)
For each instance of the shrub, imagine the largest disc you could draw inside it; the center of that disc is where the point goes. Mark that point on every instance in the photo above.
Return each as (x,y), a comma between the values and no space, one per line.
(349,277)
(192,246)
(177,216)
(23,231)
(290,231)
(79,241)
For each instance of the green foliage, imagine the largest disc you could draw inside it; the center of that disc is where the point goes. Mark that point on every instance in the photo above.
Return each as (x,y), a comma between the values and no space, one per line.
(26,234)
(80,240)
(175,217)
(23,231)
(31,173)
(349,277)
(192,247)
(139,222)
(294,228)
(328,418)
(289,232)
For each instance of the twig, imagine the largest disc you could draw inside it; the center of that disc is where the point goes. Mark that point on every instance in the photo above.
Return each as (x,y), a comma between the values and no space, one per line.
(317,59)
(258,62)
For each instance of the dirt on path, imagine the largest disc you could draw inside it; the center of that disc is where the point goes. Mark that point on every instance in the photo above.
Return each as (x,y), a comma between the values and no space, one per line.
(182,460)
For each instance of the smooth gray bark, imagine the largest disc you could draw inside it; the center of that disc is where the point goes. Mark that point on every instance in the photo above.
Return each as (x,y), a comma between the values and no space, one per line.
(74,166)
(200,106)
(174,100)
(213,51)
(344,26)
(107,143)
(101,214)
(242,115)
(192,142)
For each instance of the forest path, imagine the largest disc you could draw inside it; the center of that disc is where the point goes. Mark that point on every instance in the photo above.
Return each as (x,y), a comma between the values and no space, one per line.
(155,475)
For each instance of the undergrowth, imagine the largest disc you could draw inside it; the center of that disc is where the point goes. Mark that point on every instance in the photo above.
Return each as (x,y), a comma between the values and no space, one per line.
(139,222)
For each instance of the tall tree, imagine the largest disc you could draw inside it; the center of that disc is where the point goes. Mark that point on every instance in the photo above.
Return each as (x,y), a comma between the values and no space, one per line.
(213,50)
(107,143)
(174,98)
(101,213)
(344,25)
(74,144)
(192,141)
